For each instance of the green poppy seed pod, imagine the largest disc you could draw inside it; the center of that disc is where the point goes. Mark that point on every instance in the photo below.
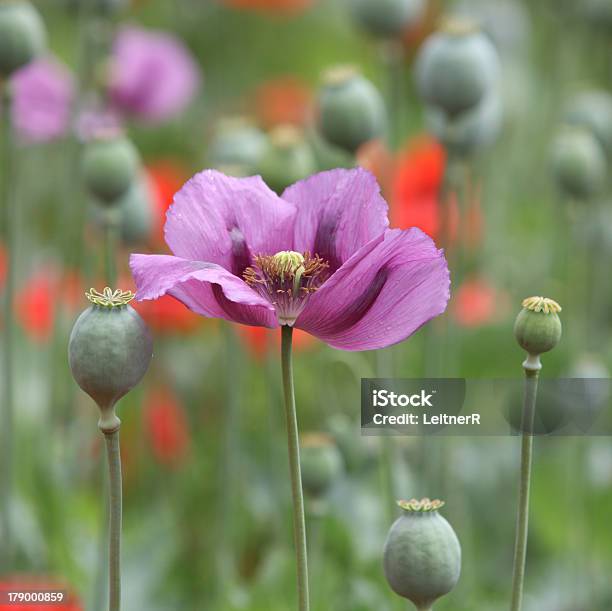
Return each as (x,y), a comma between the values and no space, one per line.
(22,35)
(286,159)
(538,327)
(351,109)
(236,147)
(593,111)
(109,351)
(110,165)
(321,464)
(422,555)
(578,163)
(386,18)
(456,67)
(136,213)
(471,131)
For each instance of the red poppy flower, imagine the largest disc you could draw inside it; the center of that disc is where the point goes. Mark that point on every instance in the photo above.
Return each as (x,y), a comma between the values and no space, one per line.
(283,100)
(42,585)
(166,427)
(376,157)
(260,340)
(35,305)
(167,176)
(476,303)
(3,262)
(282,6)
(416,188)
(167,315)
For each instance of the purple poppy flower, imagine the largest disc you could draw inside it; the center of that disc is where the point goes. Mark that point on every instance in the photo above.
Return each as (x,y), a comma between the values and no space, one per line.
(43,92)
(153,75)
(320,258)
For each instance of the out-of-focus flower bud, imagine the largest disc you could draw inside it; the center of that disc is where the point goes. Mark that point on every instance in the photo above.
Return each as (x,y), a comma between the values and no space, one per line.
(456,67)
(287,158)
(470,131)
(386,18)
(109,351)
(22,35)
(136,212)
(351,109)
(236,147)
(422,555)
(538,327)
(593,110)
(321,464)
(578,163)
(110,165)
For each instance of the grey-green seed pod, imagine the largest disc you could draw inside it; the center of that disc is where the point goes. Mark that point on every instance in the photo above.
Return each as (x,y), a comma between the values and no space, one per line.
(351,109)
(538,327)
(236,147)
(110,165)
(386,18)
(471,131)
(578,163)
(321,464)
(22,35)
(456,67)
(422,555)
(593,110)
(136,212)
(286,159)
(109,351)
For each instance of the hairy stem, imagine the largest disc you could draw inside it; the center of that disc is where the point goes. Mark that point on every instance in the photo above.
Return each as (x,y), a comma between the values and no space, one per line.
(299,523)
(522,520)
(8,228)
(114,538)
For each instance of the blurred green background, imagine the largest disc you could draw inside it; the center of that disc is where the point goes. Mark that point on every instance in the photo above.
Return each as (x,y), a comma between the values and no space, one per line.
(207,522)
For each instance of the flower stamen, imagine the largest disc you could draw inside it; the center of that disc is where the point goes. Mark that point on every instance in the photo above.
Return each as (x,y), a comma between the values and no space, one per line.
(287,279)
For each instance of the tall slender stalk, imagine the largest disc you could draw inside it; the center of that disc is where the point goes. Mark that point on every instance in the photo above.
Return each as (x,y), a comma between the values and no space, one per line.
(115,506)
(299,522)
(8,227)
(522,520)
(110,247)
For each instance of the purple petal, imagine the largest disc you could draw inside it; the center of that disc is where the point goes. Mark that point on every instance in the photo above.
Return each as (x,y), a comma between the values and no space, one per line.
(338,212)
(43,92)
(205,288)
(153,74)
(228,220)
(382,295)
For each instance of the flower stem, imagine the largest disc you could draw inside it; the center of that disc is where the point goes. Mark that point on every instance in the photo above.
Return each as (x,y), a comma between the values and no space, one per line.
(522,520)
(110,246)
(8,227)
(299,523)
(114,539)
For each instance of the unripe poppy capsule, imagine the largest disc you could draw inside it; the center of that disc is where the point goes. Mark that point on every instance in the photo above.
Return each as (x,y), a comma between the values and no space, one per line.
(22,35)
(456,67)
(109,351)
(386,18)
(286,158)
(538,327)
(422,555)
(579,163)
(593,111)
(351,109)
(236,147)
(110,165)
(321,464)
(136,212)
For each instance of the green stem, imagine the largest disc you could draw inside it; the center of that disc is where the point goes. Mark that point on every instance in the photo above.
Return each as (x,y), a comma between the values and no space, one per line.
(110,247)
(299,523)
(114,539)
(522,520)
(8,226)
